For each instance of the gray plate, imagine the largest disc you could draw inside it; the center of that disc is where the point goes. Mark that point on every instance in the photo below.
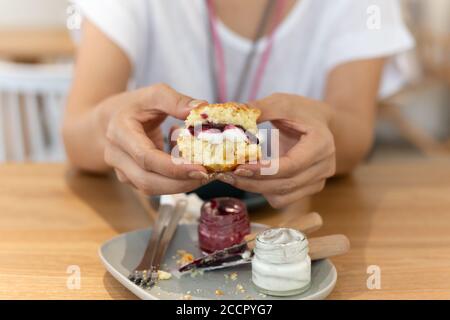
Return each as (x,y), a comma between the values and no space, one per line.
(122,253)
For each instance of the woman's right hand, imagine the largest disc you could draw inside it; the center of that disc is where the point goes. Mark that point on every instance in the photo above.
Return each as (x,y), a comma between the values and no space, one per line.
(134,143)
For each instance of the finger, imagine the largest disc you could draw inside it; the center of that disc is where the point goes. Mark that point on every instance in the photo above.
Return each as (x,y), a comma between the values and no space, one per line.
(313,147)
(121,176)
(280,201)
(127,132)
(268,112)
(164,99)
(130,137)
(278,106)
(317,172)
(156,137)
(148,182)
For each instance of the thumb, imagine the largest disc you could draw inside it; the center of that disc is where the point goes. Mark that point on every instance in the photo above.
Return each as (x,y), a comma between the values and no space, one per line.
(272,108)
(167,100)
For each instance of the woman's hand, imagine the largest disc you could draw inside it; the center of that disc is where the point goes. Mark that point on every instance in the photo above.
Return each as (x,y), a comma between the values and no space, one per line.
(134,146)
(306,151)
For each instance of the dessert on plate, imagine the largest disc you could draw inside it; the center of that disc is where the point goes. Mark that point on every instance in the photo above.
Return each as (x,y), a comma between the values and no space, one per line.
(221,136)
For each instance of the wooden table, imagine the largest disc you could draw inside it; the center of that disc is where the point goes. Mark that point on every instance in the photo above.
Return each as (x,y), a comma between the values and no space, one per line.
(397,216)
(36,44)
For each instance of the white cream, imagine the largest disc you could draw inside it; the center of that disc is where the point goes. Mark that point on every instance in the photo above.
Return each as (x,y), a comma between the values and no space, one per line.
(234,134)
(214,136)
(281,265)
(185,133)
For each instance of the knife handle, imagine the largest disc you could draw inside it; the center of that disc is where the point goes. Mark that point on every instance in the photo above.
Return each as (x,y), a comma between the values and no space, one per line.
(306,223)
(169,230)
(328,246)
(319,247)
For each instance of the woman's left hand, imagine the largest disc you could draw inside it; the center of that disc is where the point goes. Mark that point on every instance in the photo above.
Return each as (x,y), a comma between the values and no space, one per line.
(306,151)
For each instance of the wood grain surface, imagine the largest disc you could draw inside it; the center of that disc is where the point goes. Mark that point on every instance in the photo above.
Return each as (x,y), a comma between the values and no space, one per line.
(396,215)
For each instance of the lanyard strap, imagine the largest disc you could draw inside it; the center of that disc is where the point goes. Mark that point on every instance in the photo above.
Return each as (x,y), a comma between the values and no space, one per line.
(218,54)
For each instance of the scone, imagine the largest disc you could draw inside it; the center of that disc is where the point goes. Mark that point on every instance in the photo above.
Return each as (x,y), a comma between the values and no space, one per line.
(220,136)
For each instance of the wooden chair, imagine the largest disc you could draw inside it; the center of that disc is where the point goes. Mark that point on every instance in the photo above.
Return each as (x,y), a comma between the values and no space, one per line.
(390,109)
(31,106)
(433,59)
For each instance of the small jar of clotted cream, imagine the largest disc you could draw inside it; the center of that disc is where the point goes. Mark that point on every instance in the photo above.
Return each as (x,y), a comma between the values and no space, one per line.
(281,265)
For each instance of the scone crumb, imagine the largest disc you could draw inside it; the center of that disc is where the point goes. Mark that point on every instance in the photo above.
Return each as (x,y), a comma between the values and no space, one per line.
(196,272)
(219,292)
(185,257)
(187,297)
(240,288)
(234,276)
(163,275)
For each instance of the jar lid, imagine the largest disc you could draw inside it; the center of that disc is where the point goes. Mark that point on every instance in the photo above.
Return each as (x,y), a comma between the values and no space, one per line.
(223,211)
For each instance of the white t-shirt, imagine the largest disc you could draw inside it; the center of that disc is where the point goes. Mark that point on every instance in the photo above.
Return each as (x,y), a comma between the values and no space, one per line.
(168,41)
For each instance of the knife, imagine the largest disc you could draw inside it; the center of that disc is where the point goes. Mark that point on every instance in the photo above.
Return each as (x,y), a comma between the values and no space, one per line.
(319,248)
(167,233)
(241,253)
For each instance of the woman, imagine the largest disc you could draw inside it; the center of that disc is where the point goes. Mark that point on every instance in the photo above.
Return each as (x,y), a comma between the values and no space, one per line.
(315,68)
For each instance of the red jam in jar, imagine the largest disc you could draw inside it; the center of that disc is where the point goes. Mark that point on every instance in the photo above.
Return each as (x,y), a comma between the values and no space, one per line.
(223,222)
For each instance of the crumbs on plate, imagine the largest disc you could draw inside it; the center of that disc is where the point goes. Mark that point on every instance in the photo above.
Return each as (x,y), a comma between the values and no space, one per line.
(233,276)
(184,257)
(196,272)
(240,288)
(164,275)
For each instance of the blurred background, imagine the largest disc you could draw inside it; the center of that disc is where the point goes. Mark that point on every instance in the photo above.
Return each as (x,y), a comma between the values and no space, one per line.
(36,57)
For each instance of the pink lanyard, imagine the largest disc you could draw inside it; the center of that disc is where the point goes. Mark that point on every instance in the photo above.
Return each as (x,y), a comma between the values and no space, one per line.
(220,55)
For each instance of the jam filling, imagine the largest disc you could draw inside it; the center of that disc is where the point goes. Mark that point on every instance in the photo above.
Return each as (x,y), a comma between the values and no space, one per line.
(220,127)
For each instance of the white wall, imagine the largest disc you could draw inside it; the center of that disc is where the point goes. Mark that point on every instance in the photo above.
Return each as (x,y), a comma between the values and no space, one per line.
(437,15)
(32,13)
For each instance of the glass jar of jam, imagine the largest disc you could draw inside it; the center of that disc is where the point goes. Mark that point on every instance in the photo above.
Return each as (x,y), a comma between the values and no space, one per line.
(223,222)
